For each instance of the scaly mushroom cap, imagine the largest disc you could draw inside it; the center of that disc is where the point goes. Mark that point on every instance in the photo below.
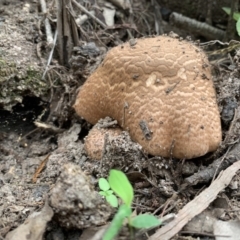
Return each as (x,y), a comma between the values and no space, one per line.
(161,91)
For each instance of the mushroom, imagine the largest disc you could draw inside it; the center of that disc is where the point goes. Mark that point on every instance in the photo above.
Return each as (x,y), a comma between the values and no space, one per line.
(161,91)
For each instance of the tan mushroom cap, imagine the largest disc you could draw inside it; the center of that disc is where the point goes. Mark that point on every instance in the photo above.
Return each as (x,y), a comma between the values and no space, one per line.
(161,91)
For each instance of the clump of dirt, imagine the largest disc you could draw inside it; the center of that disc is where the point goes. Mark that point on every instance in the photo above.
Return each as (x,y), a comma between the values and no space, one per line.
(75,202)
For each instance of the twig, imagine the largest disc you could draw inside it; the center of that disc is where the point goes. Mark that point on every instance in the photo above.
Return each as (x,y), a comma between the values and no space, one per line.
(196,27)
(48,29)
(67,31)
(207,174)
(218,166)
(214,42)
(83,18)
(51,54)
(48,127)
(123,4)
(60,29)
(89,14)
(40,168)
(157,17)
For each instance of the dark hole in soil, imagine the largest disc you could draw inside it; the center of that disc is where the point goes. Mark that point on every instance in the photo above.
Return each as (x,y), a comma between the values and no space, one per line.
(22,116)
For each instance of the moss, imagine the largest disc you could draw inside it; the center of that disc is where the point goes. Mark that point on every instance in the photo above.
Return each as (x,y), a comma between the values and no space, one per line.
(16,82)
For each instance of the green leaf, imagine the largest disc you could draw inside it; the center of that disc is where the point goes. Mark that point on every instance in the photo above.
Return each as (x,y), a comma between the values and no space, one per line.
(103,184)
(120,184)
(116,224)
(236,15)
(103,193)
(109,192)
(112,200)
(238,26)
(145,221)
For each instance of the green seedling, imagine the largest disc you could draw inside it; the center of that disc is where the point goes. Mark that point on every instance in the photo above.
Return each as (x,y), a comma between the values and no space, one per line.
(236,16)
(119,184)
(107,192)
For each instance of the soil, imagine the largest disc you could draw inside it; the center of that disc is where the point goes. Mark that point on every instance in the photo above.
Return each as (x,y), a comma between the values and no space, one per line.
(46,169)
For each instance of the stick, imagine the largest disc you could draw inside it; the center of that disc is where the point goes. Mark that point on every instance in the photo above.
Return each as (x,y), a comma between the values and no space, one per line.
(50,55)
(48,29)
(196,27)
(89,14)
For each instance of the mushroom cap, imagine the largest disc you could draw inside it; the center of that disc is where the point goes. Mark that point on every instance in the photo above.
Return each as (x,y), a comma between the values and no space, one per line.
(95,141)
(161,91)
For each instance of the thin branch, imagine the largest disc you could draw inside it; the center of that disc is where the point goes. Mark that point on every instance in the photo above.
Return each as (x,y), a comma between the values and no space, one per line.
(48,29)
(157,17)
(50,55)
(89,14)
(60,29)
(196,27)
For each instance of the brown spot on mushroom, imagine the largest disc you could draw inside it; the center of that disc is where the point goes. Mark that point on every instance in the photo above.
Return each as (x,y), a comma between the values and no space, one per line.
(178,110)
(95,141)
